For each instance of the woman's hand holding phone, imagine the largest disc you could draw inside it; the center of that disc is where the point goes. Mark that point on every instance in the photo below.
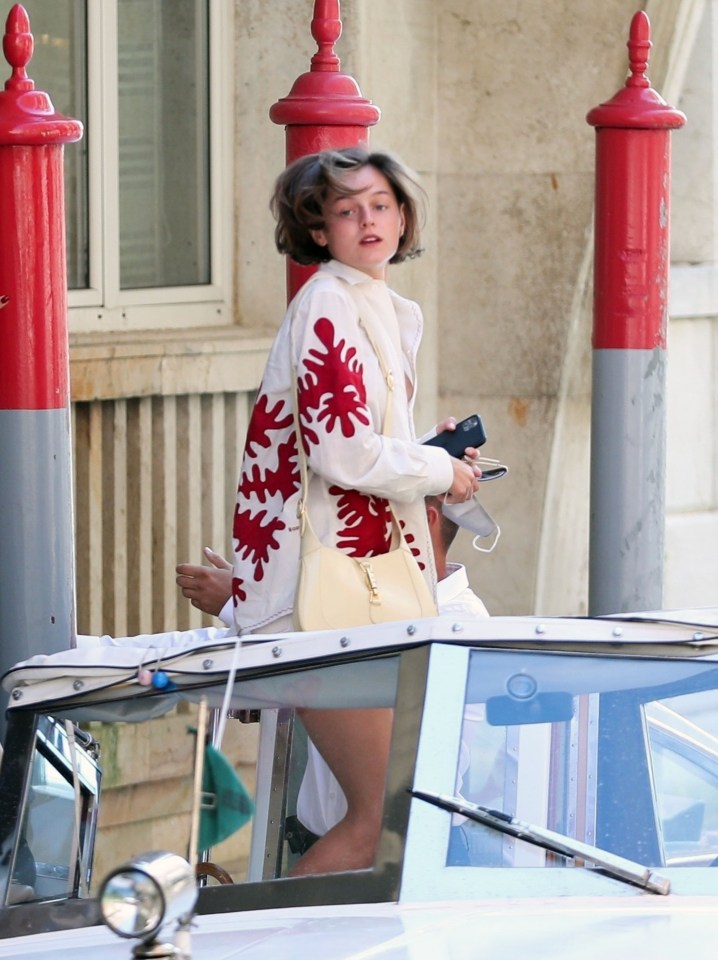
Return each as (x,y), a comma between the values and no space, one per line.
(465,482)
(454,437)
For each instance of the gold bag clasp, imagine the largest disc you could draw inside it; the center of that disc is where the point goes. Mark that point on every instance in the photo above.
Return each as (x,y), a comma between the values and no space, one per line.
(374,595)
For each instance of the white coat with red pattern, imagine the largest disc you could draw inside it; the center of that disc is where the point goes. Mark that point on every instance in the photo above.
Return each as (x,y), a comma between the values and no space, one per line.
(354,467)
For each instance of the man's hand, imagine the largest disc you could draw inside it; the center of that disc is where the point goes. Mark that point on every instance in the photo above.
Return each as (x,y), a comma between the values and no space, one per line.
(207,588)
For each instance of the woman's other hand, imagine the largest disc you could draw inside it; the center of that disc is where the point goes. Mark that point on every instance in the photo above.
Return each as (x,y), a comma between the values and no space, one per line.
(471,453)
(448,424)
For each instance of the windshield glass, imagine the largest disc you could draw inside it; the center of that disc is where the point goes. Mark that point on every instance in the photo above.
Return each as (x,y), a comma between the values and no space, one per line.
(67,841)
(619,754)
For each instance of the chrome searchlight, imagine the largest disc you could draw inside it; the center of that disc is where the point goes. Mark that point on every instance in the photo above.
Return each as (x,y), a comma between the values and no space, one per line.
(148,891)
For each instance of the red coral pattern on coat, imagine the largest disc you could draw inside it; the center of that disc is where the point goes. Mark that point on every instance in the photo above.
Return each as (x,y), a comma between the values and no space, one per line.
(333,391)
(367,523)
(285,480)
(256,539)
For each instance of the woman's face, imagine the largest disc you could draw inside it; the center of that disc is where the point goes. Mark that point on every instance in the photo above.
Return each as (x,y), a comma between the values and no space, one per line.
(363,230)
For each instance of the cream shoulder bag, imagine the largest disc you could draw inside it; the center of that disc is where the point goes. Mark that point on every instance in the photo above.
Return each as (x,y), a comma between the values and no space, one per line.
(336,591)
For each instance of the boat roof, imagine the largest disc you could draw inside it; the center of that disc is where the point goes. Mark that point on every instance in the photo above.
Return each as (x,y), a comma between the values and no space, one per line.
(104,673)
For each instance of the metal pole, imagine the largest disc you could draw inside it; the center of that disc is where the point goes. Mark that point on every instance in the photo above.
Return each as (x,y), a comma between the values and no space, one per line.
(629,339)
(324,110)
(36,535)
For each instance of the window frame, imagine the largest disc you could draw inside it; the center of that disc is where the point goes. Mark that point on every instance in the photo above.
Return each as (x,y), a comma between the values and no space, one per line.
(103,307)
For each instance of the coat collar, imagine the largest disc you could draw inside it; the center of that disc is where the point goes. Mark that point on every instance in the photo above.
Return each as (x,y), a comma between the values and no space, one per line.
(349,274)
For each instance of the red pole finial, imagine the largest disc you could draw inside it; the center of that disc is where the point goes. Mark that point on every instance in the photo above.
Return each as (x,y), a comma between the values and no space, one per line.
(639,43)
(324,109)
(637,105)
(17,46)
(326,30)
(324,97)
(27,115)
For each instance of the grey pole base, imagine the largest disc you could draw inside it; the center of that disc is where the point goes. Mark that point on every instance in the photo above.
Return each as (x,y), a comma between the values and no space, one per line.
(627,516)
(37,573)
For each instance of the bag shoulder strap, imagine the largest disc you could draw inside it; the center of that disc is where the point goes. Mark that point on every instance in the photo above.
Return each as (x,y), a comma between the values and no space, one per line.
(388,378)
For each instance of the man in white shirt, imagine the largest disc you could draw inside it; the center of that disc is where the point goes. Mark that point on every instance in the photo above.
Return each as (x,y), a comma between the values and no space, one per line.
(454,596)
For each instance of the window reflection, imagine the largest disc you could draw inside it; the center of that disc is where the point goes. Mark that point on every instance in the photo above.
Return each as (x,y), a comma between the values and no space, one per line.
(59,67)
(57,832)
(162,167)
(685,764)
(164,142)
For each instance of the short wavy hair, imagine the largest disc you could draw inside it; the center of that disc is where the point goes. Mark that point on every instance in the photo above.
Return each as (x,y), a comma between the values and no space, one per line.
(303,188)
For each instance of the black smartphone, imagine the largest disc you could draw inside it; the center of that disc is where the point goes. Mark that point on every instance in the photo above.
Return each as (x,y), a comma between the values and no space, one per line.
(469,433)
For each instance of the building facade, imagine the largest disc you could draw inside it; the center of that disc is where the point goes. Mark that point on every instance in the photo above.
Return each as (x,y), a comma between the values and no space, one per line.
(176,288)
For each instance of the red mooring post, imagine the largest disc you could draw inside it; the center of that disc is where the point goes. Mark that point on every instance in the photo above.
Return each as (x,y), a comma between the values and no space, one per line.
(632,232)
(37,585)
(324,109)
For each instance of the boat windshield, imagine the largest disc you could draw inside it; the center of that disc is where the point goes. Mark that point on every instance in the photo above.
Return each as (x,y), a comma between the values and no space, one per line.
(620,754)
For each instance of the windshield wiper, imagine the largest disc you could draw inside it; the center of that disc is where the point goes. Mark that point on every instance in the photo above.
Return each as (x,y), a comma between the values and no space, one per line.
(610,863)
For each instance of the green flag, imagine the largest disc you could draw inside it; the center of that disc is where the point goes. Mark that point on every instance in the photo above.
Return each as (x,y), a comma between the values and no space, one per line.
(226,804)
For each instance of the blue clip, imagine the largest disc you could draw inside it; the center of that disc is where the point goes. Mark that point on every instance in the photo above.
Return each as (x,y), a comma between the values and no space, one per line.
(160,681)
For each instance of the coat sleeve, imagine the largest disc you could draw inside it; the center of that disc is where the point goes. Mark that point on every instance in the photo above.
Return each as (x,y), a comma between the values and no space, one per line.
(342,397)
